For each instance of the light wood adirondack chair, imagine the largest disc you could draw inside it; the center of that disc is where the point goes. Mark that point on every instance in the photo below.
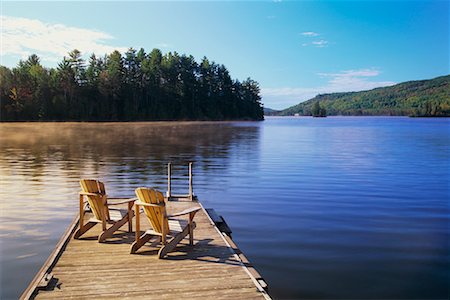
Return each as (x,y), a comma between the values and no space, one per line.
(95,193)
(169,231)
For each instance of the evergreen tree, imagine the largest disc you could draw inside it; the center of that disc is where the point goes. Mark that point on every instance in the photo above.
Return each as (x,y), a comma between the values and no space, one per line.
(135,86)
(315,111)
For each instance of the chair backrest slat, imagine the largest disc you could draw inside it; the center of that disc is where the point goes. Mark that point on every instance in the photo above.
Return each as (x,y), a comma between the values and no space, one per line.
(154,214)
(98,202)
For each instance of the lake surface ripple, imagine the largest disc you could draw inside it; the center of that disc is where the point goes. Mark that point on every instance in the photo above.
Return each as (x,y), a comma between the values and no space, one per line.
(330,208)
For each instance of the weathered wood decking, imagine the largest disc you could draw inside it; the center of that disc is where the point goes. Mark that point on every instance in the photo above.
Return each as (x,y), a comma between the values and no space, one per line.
(84,268)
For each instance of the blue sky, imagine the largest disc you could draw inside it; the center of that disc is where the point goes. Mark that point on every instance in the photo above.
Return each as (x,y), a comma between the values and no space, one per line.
(294,49)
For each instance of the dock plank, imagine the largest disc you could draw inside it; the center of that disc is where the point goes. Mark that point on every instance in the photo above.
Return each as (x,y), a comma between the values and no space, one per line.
(87,269)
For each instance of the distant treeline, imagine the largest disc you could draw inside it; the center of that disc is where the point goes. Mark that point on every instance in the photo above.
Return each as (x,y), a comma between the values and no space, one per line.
(138,86)
(424,98)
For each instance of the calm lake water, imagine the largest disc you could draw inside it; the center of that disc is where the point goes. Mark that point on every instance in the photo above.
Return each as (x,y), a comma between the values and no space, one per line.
(327,208)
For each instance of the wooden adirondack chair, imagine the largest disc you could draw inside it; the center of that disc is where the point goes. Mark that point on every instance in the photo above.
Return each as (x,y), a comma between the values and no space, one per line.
(169,231)
(95,193)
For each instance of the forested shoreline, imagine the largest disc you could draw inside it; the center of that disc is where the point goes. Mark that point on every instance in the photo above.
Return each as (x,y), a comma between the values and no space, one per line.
(136,86)
(421,98)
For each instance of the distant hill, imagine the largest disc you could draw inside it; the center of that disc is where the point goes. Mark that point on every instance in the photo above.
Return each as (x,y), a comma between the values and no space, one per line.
(428,98)
(270,112)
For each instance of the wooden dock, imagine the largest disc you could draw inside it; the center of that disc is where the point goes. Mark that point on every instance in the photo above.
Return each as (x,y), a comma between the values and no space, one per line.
(85,269)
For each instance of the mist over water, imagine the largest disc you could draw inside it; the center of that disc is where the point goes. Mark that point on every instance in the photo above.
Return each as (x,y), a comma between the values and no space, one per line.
(329,208)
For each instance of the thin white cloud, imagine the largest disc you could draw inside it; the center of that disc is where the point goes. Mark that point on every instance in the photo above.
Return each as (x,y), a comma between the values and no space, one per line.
(344,81)
(309,33)
(353,73)
(281,98)
(320,44)
(354,80)
(22,37)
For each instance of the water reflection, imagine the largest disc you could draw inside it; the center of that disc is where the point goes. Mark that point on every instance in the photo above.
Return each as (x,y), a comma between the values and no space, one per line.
(41,164)
(332,208)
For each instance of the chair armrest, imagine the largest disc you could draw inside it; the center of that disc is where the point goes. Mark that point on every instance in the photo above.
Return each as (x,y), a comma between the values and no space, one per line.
(185,212)
(89,194)
(121,202)
(139,203)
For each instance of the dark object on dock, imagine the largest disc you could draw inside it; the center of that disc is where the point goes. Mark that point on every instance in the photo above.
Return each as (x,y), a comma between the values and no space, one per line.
(222,225)
(219,221)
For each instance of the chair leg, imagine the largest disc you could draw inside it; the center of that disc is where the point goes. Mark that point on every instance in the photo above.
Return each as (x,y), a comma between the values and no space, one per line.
(191,228)
(83,229)
(109,232)
(191,233)
(130,217)
(138,244)
(173,242)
